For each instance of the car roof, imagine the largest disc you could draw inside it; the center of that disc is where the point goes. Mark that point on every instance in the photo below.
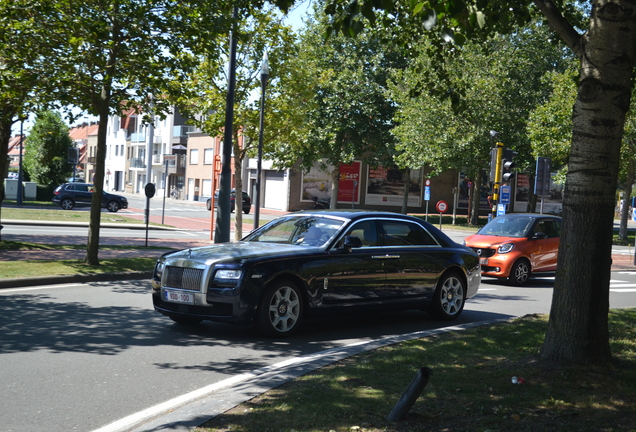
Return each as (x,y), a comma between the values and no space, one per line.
(356,214)
(530,215)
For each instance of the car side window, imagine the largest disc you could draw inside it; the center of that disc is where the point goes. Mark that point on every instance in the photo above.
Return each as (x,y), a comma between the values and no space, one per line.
(551,228)
(365,231)
(404,233)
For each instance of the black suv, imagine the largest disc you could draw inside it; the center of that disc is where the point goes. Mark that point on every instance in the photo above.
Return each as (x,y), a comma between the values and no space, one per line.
(247,201)
(69,195)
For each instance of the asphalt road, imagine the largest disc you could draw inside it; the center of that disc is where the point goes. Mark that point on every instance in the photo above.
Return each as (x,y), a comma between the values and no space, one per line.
(80,357)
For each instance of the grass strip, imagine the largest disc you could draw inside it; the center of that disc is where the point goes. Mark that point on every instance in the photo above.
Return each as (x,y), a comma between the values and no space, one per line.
(43,268)
(52,214)
(470,388)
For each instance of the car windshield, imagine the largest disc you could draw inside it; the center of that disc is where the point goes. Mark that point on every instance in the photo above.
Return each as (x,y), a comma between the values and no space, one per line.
(508,227)
(297,230)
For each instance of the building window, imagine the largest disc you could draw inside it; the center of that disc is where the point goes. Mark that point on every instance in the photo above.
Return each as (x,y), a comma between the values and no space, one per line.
(194,157)
(208,157)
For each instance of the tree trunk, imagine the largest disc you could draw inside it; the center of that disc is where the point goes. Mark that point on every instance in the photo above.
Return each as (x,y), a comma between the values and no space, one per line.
(578,328)
(238,188)
(335,183)
(476,195)
(407,183)
(627,195)
(92,247)
(6,122)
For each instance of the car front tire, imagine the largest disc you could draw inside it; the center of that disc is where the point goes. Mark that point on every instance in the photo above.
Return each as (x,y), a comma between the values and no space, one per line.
(208,204)
(520,273)
(280,310)
(449,298)
(67,204)
(112,206)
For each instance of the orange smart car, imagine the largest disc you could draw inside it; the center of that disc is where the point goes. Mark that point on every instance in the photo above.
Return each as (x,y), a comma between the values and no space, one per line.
(516,246)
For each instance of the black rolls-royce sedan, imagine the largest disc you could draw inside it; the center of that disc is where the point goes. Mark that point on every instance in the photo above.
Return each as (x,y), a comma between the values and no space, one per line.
(318,262)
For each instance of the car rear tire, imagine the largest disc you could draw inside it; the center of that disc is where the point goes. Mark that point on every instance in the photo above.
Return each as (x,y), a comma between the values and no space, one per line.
(246,211)
(520,273)
(280,310)
(67,204)
(185,320)
(449,298)
(208,204)
(112,206)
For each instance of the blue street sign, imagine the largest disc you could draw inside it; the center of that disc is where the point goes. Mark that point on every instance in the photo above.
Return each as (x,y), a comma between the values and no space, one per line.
(501,209)
(427,193)
(505,195)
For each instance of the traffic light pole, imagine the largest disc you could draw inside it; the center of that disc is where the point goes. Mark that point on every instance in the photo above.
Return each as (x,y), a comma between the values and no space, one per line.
(497,182)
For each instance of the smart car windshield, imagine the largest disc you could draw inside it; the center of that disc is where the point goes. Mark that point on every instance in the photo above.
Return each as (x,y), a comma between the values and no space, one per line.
(508,227)
(297,230)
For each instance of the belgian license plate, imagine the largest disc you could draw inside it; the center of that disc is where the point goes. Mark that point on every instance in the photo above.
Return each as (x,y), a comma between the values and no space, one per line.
(175,296)
(483,261)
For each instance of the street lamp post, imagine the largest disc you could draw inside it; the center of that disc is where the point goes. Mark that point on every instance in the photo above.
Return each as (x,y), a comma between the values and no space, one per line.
(259,163)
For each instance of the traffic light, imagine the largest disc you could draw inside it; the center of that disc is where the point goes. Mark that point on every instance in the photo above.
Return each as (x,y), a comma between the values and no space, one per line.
(73,155)
(542,180)
(507,165)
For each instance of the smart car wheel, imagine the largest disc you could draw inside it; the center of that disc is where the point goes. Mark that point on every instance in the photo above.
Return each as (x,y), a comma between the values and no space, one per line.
(112,206)
(185,320)
(280,310)
(246,211)
(67,204)
(449,297)
(520,273)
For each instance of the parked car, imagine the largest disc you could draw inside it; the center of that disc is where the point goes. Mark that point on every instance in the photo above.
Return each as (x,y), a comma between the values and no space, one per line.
(516,246)
(318,263)
(246,205)
(69,195)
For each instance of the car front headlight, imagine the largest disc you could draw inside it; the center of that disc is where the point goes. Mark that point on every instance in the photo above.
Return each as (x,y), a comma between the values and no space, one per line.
(159,270)
(226,278)
(505,248)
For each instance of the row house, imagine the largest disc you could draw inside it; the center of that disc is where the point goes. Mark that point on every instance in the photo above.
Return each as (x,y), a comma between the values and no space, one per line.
(185,164)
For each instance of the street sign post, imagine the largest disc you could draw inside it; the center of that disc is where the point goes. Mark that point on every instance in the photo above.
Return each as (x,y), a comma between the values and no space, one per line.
(441,207)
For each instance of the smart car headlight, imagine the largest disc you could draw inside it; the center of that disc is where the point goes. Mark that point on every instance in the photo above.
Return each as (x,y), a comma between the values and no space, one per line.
(505,248)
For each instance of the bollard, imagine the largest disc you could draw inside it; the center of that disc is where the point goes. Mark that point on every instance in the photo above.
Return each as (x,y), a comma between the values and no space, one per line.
(413,391)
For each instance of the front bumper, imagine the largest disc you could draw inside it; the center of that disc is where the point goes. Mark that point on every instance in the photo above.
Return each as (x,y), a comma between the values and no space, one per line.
(215,305)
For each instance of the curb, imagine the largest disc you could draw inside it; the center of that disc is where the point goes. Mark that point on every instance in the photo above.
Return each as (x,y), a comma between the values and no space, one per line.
(66,279)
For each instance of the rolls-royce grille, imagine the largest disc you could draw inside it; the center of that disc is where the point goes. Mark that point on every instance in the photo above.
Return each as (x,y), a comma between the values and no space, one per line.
(184,278)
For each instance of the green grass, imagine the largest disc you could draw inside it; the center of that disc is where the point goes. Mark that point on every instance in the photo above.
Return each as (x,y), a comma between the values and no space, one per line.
(56,214)
(44,268)
(470,388)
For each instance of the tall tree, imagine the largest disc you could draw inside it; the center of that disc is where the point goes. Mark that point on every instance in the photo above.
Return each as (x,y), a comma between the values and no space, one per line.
(203,93)
(26,62)
(503,85)
(341,92)
(113,55)
(578,326)
(45,156)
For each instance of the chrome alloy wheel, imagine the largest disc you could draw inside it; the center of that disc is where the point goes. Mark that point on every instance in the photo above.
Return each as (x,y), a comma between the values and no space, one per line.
(284,309)
(452,296)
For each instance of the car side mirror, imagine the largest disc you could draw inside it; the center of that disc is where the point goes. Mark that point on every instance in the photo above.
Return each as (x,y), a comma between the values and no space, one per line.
(540,236)
(351,242)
